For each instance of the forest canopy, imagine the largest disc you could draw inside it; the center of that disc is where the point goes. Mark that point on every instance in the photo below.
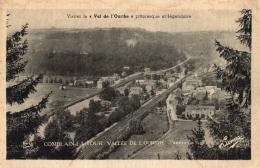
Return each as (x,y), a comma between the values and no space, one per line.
(98,51)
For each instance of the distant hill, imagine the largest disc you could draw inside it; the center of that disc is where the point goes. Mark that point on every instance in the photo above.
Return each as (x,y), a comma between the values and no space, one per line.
(105,51)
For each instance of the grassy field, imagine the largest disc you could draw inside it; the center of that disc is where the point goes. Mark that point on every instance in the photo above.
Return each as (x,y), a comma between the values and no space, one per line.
(167,151)
(154,124)
(58,98)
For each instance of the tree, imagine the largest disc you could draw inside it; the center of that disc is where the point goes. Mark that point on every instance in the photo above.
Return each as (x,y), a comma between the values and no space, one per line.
(178,155)
(125,105)
(108,93)
(89,126)
(197,147)
(105,84)
(152,92)
(55,133)
(206,97)
(236,78)
(65,120)
(135,102)
(126,92)
(193,101)
(25,122)
(180,109)
(115,116)
(94,106)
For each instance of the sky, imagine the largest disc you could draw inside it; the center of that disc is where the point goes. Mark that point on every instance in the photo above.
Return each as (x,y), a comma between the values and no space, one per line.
(200,20)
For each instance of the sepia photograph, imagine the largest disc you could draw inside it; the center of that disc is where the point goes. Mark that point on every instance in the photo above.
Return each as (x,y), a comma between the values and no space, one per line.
(87,84)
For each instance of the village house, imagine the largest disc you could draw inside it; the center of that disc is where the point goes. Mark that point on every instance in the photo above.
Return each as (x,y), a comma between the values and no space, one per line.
(149,85)
(174,74)
(135,90)
(140,81)
(100,84)
(58,79)
(110,79)
(200,93)
(171,81)
(125,68)
(84,82)
(89,82)
(123,74)
(187,88)
(191,83)
(192,112)
(163,83)
(196,82)
(168,74)
(186,100)
(147,71)
(220,95)
(211,90)
(121,90)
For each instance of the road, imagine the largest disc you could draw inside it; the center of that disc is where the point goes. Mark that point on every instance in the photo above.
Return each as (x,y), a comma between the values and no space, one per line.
(130,78)
(171,124)
(169,69)
(89,151)
(121,83)
(126,80)
(176,126)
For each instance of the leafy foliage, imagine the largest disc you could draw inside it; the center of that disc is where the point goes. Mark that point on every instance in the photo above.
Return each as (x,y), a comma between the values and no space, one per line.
(89,126)
(236,79)
(245,32)
(197,143)
(94,106)
(108,93)
(101,46)
(19,92)
(53,133)
(16,49)
(236,76)
(22,123)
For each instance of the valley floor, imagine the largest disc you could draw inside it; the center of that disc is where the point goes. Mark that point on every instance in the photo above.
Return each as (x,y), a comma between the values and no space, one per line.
(176,140)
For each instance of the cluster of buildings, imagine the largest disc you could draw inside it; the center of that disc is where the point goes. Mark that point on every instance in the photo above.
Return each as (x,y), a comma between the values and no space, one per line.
(210,96)
(74,81)
(195,111)
(110,80)
(206,96)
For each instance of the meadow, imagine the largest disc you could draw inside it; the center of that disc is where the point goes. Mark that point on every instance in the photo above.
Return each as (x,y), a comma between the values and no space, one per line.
(58,98)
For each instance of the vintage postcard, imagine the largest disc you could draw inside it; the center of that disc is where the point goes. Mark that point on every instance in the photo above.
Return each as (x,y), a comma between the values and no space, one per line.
(130,83)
